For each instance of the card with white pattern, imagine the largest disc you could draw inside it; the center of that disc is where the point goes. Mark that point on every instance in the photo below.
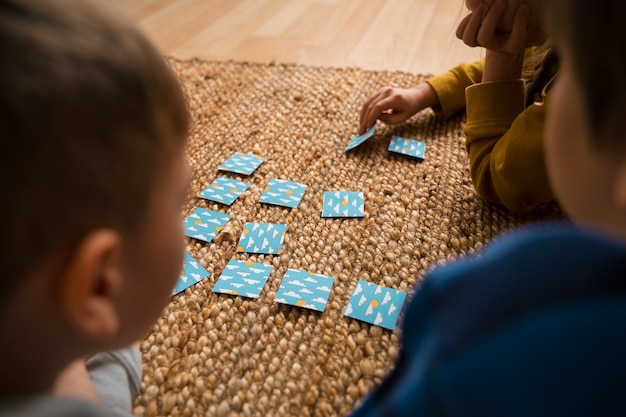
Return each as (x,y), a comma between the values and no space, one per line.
(224,190)
(359,139)
(375,304)
(204,224)
(304,289)
(343,204)
(410,147)
(264,238)
(191,274)
(244,278)
(241,163)
(283,193)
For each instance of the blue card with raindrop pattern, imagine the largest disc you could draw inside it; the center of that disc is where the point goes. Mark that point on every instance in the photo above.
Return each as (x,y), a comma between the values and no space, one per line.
(224,190)
(244,278)
(264,238)
(305,289)
(192,273)
(204,224)
(343,204)
(241,163)
(359,139)
(405,146)
(375,304)
(283,193)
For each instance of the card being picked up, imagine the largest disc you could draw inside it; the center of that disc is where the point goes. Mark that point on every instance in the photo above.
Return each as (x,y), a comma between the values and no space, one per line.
(343,204)
(224,190)
(192,273)
(241,163)
(262,238)
(283,193)
(405,146)
(375,304)
(359,139)
(243,278)
(304,289)
(204,224)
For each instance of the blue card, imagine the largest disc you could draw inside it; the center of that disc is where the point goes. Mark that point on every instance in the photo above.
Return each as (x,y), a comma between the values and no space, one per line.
(375,304)
(343,204)
(204,224)
(264,238)
(243,278)
(405,146)
(304,289)
(192,273)
(283,193)
(359,139)
(224,190)
(241,163)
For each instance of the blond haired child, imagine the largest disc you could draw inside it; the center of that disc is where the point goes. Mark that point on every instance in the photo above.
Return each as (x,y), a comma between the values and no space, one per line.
(93,177)
(503,96)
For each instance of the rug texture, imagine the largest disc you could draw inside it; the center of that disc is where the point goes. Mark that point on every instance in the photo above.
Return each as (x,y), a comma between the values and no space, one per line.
(222,355)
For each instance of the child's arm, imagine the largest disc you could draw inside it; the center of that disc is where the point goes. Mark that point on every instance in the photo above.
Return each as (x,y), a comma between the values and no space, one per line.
(504,139)
(445,93)
(74,381)
(505,146)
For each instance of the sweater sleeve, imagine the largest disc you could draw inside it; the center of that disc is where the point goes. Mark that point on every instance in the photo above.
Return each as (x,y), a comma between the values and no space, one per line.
(505,145)
(450,87)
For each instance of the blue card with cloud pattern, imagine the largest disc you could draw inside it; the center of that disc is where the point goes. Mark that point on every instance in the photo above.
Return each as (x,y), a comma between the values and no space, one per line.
(343,204)
(304,289)
(241,163)
(192,273)
(375,304)
(283,193)
(359,139)
(224,190)
(244,278)
(264,238)
(405,146)
(204,224)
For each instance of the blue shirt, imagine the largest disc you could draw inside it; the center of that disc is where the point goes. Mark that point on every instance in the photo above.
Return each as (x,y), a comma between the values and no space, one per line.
(533,326)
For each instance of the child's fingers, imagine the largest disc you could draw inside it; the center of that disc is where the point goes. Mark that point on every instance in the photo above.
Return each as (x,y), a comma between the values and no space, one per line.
(366,109)
(518,38)
(472,25)
(487,33)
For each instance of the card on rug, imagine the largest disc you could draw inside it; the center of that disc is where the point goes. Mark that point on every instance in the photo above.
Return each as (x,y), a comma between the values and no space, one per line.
(204,224)
(405,146)
(264,238)
(343,204)
(224,190)
(375,304)
(283,193)
(241,163)
(244,278)
(304,289)
(359,139)
(192,273)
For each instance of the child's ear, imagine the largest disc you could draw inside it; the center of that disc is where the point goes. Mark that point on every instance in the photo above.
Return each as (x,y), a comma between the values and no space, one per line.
(91,282)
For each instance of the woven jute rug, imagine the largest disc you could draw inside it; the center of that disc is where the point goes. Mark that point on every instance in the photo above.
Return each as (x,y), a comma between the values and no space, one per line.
(222,355)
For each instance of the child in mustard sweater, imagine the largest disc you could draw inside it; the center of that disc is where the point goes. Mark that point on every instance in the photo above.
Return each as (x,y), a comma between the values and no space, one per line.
(503,96)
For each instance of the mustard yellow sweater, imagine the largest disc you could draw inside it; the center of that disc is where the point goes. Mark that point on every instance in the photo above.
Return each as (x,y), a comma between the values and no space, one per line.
(504,137)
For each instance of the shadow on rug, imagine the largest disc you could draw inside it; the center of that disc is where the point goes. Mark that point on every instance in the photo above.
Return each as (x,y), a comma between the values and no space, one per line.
(222,355)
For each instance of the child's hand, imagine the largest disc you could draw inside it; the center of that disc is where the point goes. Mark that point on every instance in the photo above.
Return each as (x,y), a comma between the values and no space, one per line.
(74,381)
(482,28)
(395,105)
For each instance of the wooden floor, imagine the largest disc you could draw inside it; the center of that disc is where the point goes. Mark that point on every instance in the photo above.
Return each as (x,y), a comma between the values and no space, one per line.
(407,35)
